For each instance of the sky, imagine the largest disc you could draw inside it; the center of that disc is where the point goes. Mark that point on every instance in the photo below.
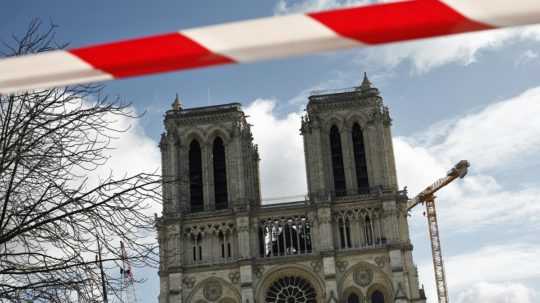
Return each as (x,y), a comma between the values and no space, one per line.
(472,96)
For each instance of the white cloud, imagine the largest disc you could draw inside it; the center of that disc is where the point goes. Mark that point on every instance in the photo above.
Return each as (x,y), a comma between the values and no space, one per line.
(503,132)
(526,57)
(133,151)
(487,273)
(280,148)
(424,55)
(286,7)
(502,136)
(496,293)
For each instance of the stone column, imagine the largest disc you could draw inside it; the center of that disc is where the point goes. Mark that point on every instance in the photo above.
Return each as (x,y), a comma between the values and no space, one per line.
(182,188)
(329,267)
(205,155)
(165,147)
(242,228)
(390,213)
(326,239)
(373,154)
(175,288)
(246,283)
(389,156)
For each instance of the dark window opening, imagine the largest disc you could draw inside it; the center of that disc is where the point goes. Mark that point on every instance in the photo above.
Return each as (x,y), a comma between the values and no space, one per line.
(194,253)
(360,159)
(195,177)
(348,233)
(368,229)
(229,249)
(341,233)
(222,242)
(287,237)
(377,297)
(220,174)
(353,298)
(200,252)
(337,162)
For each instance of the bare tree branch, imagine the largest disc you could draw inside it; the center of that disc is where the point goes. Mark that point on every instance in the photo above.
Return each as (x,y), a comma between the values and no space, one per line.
(53,204)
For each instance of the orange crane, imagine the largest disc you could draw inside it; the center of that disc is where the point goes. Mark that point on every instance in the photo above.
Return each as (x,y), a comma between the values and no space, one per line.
(427,196)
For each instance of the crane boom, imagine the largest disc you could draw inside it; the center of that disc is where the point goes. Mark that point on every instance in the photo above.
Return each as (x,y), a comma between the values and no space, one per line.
(427,196)
(458,171)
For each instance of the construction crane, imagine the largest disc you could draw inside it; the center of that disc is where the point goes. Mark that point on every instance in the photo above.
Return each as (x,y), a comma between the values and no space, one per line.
(427,196)
(128,287)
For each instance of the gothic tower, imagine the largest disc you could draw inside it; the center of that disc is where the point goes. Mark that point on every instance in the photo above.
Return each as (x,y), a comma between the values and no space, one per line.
(209,160)
(348,241)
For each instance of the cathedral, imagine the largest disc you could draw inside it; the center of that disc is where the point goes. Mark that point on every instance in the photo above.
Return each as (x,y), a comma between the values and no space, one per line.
(346,241)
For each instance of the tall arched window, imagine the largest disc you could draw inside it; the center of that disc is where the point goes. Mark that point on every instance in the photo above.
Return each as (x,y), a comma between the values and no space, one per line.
(348,233)
(222,243)
(220,174)
(337,161)
(377,297)
(195,177)
(360,159)
(342,233)
(353,298)
(368,231)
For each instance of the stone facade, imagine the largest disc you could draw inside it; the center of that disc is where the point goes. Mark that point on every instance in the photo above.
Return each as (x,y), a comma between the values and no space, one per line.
(348,241)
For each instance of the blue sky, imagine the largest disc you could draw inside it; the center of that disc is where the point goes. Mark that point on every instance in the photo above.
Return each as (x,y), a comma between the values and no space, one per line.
(473,96)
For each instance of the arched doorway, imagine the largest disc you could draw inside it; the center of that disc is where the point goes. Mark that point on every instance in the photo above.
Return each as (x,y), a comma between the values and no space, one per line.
(353,298)
(377,297)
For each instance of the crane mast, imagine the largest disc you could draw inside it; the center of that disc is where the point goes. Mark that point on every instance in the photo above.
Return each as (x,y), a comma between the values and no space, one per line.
(128,287)
(427,196)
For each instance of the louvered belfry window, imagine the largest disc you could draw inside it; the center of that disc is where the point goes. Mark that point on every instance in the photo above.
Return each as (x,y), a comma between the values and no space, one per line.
(337,162)
(195,177)
(360,159)
(220,174)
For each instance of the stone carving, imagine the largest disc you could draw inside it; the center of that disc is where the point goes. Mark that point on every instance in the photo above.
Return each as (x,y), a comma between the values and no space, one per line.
(332,297)
(258,270)
(244,228)
(234,277)
(381,261)
(342,265)
(189,282)
(316,265)
(212,290)
(363,276)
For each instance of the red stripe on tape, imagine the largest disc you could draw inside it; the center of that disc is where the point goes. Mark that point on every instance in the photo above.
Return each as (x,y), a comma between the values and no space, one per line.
(390,22)
(149,55)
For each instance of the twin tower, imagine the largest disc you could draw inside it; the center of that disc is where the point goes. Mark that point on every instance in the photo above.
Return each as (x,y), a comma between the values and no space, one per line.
(348,241)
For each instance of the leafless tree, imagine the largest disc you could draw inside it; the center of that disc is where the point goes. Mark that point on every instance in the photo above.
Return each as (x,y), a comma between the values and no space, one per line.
(52,208)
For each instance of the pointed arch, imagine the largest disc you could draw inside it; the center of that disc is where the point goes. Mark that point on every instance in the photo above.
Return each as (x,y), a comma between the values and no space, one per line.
(220,174)
(377,297)
(337,161)
(195,177)
(360,159)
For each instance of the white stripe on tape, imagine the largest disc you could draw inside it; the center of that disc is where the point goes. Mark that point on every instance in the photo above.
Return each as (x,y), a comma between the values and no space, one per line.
(500,13)
(45,70)
(269,38)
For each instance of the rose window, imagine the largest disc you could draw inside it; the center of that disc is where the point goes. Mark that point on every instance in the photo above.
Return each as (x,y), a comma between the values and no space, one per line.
(291,290)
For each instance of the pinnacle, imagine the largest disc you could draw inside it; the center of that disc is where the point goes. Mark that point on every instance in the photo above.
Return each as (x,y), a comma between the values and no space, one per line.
(177,104)
(365,82)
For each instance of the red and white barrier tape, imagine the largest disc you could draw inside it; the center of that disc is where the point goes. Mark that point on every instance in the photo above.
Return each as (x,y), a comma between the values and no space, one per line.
(264,38)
